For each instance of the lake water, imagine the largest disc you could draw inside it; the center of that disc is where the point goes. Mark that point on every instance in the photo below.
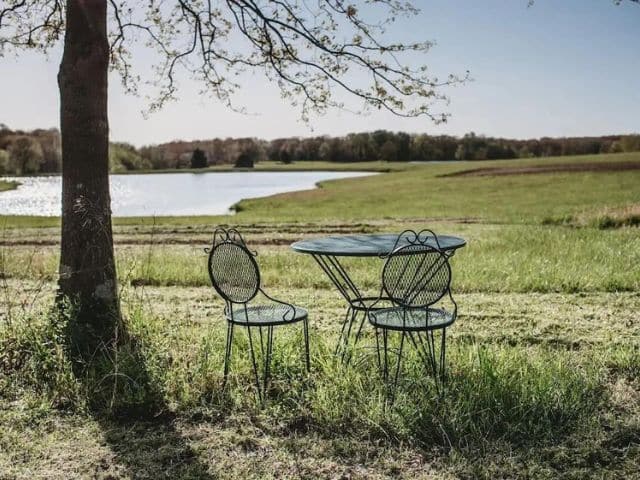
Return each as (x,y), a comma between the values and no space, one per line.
(163,194)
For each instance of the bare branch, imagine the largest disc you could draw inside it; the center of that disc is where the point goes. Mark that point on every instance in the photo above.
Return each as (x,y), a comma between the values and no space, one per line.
(317,55)
(30,24)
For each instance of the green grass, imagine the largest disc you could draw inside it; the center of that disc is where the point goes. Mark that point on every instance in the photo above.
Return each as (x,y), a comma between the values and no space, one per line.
(497,258)
(4,185)
(420,193)
(530,375)
(544,359)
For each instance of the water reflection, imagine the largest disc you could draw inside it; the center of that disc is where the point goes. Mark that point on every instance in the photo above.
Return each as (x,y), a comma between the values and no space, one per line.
(166,194)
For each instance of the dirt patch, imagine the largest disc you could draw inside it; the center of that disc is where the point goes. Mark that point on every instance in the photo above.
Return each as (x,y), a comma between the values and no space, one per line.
(560,167)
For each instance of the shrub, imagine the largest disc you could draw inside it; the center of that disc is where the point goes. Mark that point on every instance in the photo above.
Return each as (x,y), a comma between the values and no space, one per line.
(198,159)
(244,161)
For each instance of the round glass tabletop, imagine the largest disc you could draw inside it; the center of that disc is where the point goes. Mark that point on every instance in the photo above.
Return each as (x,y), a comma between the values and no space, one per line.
(369,245)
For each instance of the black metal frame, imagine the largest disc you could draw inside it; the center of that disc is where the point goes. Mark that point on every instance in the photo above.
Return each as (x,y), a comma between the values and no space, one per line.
(224,236)
(358,305)
(422,339)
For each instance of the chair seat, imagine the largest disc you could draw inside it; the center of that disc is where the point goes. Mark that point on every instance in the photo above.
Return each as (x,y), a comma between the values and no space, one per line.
(266,315)
(407,319)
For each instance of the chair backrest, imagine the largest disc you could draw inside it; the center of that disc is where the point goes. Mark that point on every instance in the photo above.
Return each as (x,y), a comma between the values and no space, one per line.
(232,267)
(417,272)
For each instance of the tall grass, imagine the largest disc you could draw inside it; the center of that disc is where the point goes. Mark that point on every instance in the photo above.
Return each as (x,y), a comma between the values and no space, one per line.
(495,392)
(496,259)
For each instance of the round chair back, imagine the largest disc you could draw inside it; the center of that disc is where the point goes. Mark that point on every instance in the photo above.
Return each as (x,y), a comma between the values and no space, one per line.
(416,275)
(234,272)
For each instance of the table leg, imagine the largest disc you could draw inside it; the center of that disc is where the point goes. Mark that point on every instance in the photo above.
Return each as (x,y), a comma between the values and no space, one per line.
(356,303)
(339,277)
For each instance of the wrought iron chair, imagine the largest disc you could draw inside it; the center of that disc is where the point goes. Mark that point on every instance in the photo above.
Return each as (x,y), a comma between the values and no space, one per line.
(416,276)
(235,275)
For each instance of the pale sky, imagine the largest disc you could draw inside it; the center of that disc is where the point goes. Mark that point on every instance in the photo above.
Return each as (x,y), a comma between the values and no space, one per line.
(559,68)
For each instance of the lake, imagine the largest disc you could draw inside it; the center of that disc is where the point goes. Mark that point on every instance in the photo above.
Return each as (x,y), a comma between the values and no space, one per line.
(165,194)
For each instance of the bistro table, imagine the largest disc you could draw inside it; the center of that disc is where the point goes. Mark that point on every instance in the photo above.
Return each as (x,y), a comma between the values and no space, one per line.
(326,251)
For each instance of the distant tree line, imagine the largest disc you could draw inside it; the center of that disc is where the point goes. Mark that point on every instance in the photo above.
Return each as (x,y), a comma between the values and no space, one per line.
(378,145)
(399,146)
(38,151)
(241,152)
(24,153)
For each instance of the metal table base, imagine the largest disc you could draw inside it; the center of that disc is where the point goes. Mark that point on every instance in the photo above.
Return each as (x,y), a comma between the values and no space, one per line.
(357,304)
(326,251)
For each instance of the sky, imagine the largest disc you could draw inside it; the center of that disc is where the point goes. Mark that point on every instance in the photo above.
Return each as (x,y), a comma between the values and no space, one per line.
(557,68)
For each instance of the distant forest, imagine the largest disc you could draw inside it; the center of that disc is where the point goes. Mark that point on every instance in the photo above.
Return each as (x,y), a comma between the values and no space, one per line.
(38,151)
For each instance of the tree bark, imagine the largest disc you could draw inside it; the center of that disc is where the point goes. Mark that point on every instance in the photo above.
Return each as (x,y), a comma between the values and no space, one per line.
(87,274)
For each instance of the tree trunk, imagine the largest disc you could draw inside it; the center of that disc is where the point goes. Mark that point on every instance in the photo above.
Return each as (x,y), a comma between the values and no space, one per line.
(87,279)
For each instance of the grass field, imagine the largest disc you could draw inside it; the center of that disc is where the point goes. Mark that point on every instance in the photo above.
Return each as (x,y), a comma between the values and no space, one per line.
(544,359)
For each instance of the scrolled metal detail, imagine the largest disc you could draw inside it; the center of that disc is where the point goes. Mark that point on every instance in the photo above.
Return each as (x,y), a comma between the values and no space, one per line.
(228,235)
(412,238)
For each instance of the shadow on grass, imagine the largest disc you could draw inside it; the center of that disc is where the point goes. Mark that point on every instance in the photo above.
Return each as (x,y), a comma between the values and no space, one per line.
(498,395)
(136,422)
(152,448)
(116,389)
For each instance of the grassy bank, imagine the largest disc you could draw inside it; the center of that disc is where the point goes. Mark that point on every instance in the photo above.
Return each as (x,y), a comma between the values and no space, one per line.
(544,360)
(422,193)
(4,185)
(412,192)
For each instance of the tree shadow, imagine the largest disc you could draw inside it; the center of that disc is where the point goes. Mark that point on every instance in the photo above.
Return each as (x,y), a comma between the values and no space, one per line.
(151,448)
(136,422)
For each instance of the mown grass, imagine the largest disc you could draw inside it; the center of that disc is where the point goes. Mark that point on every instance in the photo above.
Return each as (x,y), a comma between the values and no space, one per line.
(544,358)
(421,193)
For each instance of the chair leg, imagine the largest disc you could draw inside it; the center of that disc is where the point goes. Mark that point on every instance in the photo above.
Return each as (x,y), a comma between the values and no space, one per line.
(267,360)
(345,349)
(436,369)
(385,370)
(421,353)
(261,342)
(399,361)
(377,331)
(305,326)
(359,332)
(427,349)
(266,356)
(364,318)
(432,353)
(227,354)
(255,365)
(443,353)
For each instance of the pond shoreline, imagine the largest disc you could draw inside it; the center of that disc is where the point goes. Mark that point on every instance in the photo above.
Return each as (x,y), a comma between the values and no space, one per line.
(146,195)
(307,166)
